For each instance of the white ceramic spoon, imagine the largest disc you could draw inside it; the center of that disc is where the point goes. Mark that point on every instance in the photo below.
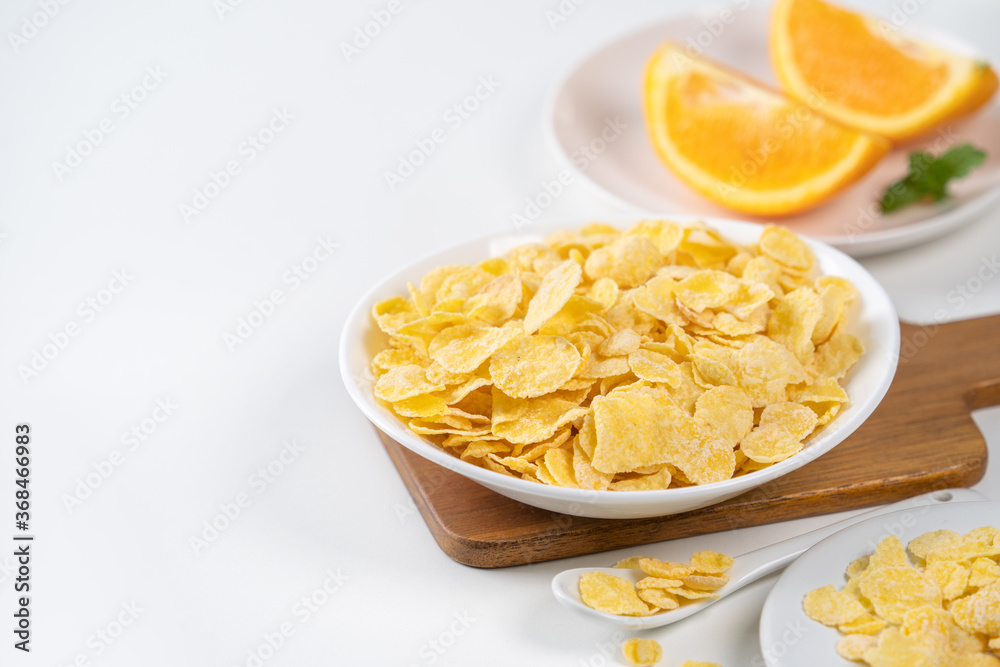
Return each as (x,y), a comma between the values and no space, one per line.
(748,568)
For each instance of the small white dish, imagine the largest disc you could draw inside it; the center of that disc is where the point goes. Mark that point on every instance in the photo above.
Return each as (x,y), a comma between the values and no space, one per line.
(747,568)
(875,322)
(789,638)
(593,121)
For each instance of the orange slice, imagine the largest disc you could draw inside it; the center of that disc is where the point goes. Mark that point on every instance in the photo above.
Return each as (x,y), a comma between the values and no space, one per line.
(865,74)
(745,146)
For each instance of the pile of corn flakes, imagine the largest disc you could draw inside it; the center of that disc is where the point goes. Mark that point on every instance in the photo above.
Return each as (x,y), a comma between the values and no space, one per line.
(664,356)
(942,609)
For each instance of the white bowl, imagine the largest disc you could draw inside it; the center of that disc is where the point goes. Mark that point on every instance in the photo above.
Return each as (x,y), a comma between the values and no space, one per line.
(876,323)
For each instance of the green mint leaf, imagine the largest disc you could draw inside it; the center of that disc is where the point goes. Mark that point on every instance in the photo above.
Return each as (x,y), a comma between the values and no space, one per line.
(963,159)
(901,193)
(928,176)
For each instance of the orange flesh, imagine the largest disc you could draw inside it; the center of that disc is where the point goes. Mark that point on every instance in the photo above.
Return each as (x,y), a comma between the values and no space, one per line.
(743,145)
(848,61)
(756,144)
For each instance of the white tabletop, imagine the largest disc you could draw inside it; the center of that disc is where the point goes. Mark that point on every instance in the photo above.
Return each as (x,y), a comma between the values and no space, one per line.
(154,411)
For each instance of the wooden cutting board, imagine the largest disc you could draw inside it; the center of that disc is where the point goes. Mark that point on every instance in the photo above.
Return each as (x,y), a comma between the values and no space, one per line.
(920,438)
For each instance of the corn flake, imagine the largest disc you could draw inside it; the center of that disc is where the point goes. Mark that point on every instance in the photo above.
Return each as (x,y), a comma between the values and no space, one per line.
(831,607)
(724,413)
(630,563)
(655,367)
(604,291)
(404,382)
(691,594)
(836,356)
(664,569)
(611,594)
(533,366)
(894,590)
(635,430)
(866,624)
(983,572)
(794,319)
(555,290)
(703,582)
(629,261)
(979,612)
(642,652)
(658,598)
(711,562)
(425,406)
(780,432)
(788,250)
(464,347)
(706,247)
(950,577)
(652,481)
(497,301)
(853,647)
(657,299)
(654,582)
(666,236)
(559,465)
(526,421)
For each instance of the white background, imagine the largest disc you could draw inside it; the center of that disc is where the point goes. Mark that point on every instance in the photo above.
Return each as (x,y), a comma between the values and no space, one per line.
(338,506)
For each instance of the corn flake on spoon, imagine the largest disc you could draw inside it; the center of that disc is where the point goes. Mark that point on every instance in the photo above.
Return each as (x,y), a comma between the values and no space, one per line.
(745,570)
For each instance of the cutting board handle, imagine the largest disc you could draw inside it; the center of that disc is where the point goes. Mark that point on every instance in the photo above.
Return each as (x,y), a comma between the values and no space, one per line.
(963,356)
(983,395)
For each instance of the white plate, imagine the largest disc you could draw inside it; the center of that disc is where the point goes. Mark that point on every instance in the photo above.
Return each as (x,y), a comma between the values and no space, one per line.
(606,85)
(789,638)
(875,322)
